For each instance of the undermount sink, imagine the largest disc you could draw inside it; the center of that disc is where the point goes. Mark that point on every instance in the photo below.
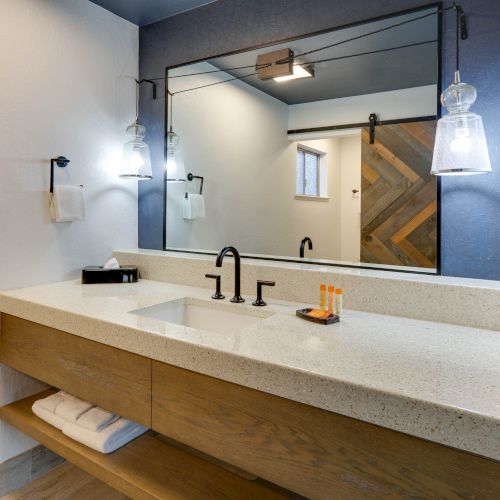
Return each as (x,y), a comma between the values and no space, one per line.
(204,315)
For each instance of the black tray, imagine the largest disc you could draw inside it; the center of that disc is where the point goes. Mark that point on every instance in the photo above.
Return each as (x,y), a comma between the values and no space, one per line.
(302,313)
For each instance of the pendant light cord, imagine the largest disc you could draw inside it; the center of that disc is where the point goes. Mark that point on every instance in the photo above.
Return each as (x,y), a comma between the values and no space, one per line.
(457,55)
(455,6)
(171,108)
(136,101)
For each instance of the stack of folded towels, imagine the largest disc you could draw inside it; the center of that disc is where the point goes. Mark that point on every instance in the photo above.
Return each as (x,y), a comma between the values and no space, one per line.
(90,425)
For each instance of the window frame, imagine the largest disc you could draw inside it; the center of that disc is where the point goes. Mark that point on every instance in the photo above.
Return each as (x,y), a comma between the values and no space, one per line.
(305,151)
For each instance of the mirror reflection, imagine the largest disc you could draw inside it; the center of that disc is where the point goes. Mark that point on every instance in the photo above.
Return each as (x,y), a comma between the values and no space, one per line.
(329,163)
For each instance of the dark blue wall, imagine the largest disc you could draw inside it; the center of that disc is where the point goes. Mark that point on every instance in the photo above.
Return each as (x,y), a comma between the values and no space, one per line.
(470,217)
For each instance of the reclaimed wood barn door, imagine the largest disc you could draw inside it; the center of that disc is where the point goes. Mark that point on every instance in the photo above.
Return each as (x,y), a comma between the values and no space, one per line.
(399,195)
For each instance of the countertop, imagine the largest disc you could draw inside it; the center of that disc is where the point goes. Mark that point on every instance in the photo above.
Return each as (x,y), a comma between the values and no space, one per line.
(432,380)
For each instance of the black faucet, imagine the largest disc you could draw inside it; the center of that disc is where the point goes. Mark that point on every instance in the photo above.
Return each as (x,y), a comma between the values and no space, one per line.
(303,244)
(237,270)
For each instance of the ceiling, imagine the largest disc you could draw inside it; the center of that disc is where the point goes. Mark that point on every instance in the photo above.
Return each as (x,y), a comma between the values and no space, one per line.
(142,12)
(397,69)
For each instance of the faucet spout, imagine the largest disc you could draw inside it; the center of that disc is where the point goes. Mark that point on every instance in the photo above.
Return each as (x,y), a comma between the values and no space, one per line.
(303,244)
(237,270)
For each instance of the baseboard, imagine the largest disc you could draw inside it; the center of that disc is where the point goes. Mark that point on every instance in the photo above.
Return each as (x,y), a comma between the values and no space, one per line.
(30,465)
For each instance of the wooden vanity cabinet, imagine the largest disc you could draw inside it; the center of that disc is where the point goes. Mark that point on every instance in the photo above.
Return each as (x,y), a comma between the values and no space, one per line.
(116,380)
(313,452)
(306,450)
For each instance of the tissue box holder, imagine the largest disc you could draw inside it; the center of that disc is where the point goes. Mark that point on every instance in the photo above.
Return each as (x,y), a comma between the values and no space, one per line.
(97,274)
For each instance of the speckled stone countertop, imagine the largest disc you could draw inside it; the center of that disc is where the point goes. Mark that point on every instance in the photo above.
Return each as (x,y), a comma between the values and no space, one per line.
(432,380)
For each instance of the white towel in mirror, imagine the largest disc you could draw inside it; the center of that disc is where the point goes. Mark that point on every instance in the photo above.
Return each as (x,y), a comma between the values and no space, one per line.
(67,203)
(193,207)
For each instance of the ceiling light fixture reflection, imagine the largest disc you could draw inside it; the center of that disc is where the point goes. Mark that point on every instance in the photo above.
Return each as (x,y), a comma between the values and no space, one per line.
(298,72)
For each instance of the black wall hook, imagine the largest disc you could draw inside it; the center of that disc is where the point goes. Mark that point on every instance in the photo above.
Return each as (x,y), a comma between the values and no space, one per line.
(148,81)
(60,161)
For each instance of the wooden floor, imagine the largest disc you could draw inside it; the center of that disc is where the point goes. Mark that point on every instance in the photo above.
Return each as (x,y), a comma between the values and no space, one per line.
(65,482)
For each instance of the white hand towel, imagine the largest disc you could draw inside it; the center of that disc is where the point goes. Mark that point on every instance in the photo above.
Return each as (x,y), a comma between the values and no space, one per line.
(109,439)
(197,205)
(96,419)
(187,208)
(71,409)
(67,203)
(49,417)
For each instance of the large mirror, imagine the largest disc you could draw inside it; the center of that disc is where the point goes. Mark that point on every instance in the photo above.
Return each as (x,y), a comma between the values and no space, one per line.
(329,163)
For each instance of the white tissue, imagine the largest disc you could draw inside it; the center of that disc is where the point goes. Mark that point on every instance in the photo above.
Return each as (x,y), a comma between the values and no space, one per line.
(111,264)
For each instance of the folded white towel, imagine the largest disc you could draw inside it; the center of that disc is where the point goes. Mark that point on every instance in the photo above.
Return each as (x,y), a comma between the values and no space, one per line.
(50,403)
(67,203)
(96,419)
(49,416)
(71,408)
(111,438)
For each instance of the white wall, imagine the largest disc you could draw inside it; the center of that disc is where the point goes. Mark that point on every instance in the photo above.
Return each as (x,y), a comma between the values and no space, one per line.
(320,219)
(350,212)
(67,69)
(405,103)
(234,136)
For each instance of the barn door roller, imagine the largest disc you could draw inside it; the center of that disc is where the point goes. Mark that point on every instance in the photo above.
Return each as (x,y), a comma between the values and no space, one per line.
(373,122)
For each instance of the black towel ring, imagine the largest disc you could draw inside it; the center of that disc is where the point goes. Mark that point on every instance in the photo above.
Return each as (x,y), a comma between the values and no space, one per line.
(191,177)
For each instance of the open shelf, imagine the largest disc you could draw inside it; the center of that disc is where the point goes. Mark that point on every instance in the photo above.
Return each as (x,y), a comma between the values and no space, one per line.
(146,468)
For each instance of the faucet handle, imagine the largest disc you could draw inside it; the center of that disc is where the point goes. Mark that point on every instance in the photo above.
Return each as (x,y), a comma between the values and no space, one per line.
(217,295)
(260,283)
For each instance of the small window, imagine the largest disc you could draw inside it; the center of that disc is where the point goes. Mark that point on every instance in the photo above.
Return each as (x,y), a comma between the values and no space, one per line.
(307,173)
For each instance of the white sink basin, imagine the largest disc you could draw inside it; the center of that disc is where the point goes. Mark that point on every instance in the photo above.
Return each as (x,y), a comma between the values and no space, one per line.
(204,315)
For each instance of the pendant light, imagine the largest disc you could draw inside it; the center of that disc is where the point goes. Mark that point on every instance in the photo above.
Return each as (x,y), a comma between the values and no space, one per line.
(460,147)
(175,166)
(136,159)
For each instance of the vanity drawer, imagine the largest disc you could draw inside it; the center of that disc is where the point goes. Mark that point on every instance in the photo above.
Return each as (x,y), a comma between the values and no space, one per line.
(313,452)
(116,380)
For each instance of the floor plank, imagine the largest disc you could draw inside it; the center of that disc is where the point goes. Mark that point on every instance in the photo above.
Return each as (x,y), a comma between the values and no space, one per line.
(65,482)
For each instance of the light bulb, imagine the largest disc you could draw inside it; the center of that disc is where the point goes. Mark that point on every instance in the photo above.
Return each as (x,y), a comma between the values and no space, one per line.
(298,72)
(462,142)
(136,160)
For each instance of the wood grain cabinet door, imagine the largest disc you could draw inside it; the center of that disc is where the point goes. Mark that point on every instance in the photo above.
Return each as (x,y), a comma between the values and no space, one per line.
(313,452)
(116,380)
